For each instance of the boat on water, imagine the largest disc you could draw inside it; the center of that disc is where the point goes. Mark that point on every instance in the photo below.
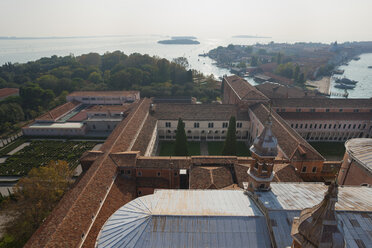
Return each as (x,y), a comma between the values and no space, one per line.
(370,67)
(356,58)
(338,71)
(346,81)
(344,86)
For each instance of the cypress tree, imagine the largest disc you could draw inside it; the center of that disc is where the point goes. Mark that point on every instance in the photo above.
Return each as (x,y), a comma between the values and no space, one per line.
(229,148)
(180,148)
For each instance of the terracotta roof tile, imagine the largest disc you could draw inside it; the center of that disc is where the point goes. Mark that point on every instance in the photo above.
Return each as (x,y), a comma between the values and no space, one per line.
(210,177)
(163,111)
(288,139)
(59,111)
(5,92)
(103,93)
(243,89)
(286,173)
(322,103)
(325,116)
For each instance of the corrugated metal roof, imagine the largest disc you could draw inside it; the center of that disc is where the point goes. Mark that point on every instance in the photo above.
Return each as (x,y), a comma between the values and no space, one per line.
(357,227)
(297,196)
(187,218)
(360,149)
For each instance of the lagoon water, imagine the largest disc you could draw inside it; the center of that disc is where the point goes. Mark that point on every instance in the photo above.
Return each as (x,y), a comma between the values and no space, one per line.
(23,50)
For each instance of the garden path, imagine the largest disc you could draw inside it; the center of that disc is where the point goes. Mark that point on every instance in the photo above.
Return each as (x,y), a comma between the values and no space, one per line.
(204,148)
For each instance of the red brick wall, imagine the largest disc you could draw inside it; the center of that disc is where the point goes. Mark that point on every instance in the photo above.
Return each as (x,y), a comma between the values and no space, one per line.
(352,173)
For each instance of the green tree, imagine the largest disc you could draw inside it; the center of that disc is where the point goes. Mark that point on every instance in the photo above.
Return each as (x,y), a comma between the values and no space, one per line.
(36,195)
(279,58)
(229,148)
(296,73)
(254,61)
(180,147)
(95,77)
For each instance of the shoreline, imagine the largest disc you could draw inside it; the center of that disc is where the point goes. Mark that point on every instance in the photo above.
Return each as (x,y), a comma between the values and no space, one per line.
(323,85)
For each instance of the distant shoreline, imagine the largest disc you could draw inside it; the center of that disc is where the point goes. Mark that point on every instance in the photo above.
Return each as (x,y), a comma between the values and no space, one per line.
(251,37)
(179,42)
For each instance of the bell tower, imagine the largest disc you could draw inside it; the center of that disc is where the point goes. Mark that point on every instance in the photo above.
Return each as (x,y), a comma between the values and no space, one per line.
(264,150)
(318,226)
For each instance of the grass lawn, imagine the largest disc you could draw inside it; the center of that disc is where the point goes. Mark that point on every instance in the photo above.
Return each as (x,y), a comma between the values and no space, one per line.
(330,150)
(167,148)
(215,148)
(41,152)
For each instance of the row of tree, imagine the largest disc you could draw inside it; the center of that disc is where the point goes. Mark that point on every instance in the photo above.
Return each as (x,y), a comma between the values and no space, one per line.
(44,83)
(229,148)
(292,71)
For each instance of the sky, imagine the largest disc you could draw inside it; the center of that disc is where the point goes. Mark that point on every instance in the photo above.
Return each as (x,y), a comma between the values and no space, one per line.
(299,20)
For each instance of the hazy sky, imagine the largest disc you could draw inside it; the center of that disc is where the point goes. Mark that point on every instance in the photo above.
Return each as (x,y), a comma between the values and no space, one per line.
(316,20)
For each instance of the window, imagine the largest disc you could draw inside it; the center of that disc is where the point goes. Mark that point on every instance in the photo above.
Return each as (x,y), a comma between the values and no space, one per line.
(327,110)
(225,124)
(364,126)
(167,124)
(222,132)
(312,110)
(304,169)
(334,126)
(330,126)
(128,172)
(300,125)
(175,174)
(94,126)
(188,131)
(139,173)
(356,110)
(320,126)
(291,125)
(139,192)
(196,124)
(298,110)
(305,125)
(158,174)
(340,110)
(296,125)
(315,125)
(349,126)
(344,126)
(239,125)
(359,126)
(311,125)
(210,125)
(283,110)
(354,126)
(108,127)
(216,131)
(314,169)
(339,125)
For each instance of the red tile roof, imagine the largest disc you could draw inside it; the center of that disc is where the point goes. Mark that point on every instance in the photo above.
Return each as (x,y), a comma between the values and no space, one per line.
(288,139)
(210,177)
(5,92)
(58,111)
(243,89)
(71,220)
(103,93)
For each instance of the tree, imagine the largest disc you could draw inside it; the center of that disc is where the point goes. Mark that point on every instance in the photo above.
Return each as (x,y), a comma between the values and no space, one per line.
(296,73)
(36,195)
(279,58)
(229,148)
(254,61)
(182,61)
(180,148)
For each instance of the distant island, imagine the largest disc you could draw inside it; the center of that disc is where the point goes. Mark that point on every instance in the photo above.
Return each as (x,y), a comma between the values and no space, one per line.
(249,36)
(179,42)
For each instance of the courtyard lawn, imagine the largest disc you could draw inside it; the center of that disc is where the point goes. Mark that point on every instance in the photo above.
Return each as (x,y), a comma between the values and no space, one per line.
(167,148)
(330,150)
(41,152)
(215,148)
